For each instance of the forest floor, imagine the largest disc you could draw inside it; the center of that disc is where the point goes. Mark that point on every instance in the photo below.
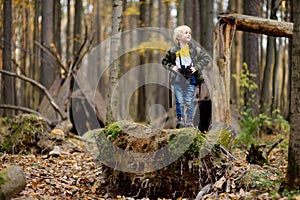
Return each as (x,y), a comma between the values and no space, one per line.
(75,174)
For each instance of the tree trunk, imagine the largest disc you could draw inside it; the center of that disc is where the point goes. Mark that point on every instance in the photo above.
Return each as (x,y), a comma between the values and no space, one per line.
(236,58)
(114,70)
(12,182)
(207,42)
(68,31)
(188,13)
(251,58)
(196,21)
(293,170)
(141,107)
(267,87)
(77,27)
(220,88)
(266,93)
(207,25)
(35,59)
(8,83)
(180,10)
(97,7)
(47,70)
(57,27)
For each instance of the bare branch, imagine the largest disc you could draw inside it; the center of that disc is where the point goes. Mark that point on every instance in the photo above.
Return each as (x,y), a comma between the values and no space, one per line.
(28,110)
(40,86)
(54,55)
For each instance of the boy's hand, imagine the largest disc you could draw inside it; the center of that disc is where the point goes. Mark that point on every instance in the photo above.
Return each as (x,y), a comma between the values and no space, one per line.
(193,69)
(175,68)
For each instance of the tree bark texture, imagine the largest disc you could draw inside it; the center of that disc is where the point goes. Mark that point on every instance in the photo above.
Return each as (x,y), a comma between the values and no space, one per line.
(259,25)
(220,92)
(8,84)
(237,57)
(114,69)
(77,26)
(47,67)
(207,25)
(251,58)
(293,170)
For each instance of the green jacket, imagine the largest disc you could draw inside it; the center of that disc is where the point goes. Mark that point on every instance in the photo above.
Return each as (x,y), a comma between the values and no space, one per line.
(199,58)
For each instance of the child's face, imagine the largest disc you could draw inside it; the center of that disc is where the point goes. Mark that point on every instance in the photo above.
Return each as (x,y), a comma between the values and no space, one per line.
(185,36)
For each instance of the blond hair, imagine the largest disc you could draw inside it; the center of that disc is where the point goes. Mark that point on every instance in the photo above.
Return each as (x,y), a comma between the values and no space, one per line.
(179,30)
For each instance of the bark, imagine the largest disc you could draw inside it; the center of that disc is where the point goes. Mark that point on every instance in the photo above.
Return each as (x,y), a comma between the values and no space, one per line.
(47,68)
(180,10)
(68,31)
(114,70)
(28,44)
(251,58)
(259,25)
(237,57)
(266,93)
(207,25)
(267,87)
(141,107)
(293,170)
(97,7)
(57,27)
(77,26)
(35,59)
(220,90)
(8,84)
(188,13)
(12,182)
(196,20)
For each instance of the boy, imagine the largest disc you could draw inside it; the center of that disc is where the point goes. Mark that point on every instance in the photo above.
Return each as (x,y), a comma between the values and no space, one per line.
(185,61)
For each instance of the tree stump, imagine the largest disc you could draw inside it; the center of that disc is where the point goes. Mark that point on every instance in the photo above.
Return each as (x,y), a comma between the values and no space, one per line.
(29,133)
(140,161)
(12,182)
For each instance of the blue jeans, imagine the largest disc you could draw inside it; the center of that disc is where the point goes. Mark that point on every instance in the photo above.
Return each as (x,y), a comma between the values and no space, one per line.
(184,95)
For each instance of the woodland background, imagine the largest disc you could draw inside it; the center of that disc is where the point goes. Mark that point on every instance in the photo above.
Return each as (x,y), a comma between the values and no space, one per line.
(46,40)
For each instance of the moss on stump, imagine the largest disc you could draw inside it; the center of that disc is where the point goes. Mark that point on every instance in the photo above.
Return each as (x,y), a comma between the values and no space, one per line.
(190,160)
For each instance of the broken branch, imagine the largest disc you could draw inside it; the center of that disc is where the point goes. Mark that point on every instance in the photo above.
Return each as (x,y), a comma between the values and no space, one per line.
(40,86)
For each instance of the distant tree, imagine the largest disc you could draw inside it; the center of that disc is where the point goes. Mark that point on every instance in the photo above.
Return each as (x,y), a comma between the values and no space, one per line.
(77,25)
(57,26)
(251,57)
(68,31)
(293,170)
(35,63)
(207,25)
(141,111)
(236,56)
(115,61)
(47,68)
(8,86)
(266,92)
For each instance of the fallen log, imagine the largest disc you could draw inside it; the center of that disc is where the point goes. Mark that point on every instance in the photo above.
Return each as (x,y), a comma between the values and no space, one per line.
(140,161)
(258,25)
(12,182)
